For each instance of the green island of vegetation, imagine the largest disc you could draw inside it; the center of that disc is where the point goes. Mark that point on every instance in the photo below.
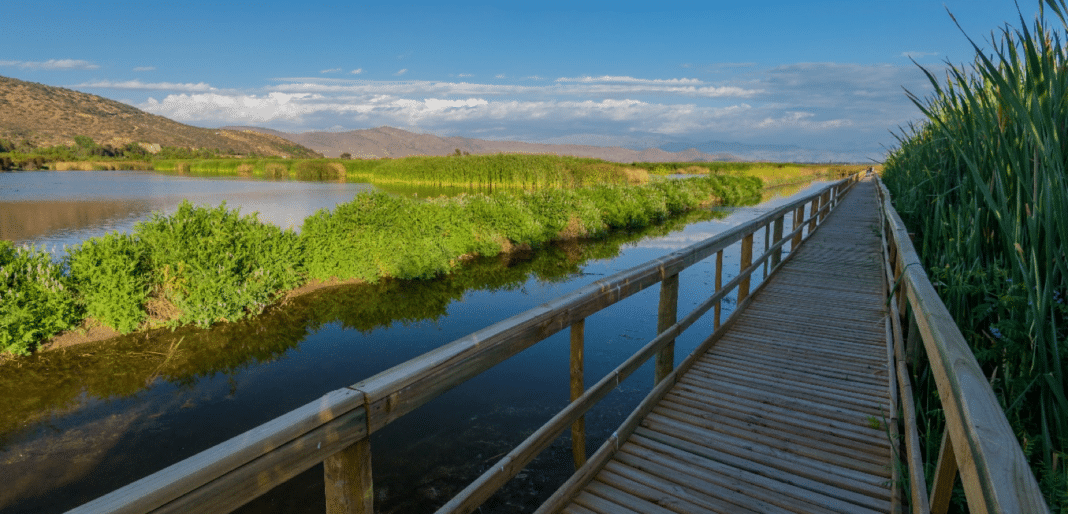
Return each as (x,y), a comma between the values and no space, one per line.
(203,265)
(983,184)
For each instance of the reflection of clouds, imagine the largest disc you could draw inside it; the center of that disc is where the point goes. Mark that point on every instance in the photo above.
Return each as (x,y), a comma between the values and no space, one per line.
(284,204)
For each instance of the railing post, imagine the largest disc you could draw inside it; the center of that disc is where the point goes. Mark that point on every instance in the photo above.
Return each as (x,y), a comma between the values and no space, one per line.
(347,477)
(776,257)
(746,261)
(767,237)
(799,216)
(812,214)
(719,284)
(666,316)
(945,475)
(578,386)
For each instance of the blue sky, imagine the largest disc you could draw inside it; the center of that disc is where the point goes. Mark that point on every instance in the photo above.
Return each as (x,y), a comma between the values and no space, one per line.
(822,75)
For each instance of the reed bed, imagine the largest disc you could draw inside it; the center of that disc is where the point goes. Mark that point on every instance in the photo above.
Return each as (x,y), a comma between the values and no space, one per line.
(982,183)
(202,265)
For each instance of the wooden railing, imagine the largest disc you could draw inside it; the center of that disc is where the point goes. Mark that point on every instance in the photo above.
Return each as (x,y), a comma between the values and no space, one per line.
(978,440)
(334,430)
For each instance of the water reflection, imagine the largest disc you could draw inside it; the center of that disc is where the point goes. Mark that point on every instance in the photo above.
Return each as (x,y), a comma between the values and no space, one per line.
(111,402)
(56,208)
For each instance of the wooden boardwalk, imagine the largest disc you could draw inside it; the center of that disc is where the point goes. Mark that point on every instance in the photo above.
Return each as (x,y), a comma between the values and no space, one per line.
(787,412)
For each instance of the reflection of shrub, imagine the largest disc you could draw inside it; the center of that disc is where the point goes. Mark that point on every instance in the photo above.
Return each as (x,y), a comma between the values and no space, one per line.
(35,299)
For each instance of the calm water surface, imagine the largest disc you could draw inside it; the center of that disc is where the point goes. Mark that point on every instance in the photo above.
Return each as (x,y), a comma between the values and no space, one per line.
(56,208)
(80,422)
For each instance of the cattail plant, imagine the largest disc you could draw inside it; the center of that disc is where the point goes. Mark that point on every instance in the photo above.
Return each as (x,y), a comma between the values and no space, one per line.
(981,181)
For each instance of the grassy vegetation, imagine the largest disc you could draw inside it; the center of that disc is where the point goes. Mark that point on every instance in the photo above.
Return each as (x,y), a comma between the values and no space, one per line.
(772,173)
(517,171)
(983,183)
(203,265)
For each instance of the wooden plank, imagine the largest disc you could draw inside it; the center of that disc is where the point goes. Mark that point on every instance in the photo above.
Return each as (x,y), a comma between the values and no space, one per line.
(793,389)
(651,487)
(788,442)
(858,484)
(800,432)
(621,497)
(767,484)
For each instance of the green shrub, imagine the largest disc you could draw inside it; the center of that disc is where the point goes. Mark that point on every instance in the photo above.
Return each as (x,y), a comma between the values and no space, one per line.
(213,264)
(111,278)
(35,299)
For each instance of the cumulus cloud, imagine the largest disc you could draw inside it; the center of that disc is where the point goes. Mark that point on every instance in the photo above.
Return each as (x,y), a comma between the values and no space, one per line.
(331,70)
(145,68)
(357,71)
(401,72)
(147,86)
(53,64)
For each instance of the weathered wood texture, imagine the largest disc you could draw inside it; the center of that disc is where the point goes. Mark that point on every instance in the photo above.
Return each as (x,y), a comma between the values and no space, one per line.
(786,412)
(993,468)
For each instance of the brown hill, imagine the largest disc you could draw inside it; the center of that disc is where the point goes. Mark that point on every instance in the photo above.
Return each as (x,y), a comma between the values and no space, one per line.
(47,116)
(393,142)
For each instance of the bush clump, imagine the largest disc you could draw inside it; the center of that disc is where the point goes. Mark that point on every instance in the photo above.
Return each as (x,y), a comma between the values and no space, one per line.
(35,298)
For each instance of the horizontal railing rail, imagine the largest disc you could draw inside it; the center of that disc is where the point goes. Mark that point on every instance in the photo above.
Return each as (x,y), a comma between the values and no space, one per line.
(978,440)
(335,429)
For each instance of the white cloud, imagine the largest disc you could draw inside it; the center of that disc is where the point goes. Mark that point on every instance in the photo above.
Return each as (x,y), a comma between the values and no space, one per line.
(357,71)
(331,70)
(627,80)
(149,86)
(145,68)
(401,72)
(500,76)
(917,55)
(53,64)
(465,75)
(802,120)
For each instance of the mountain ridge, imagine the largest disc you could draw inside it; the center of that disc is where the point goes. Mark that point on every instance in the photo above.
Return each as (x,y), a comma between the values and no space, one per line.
(383,142)
(43,115)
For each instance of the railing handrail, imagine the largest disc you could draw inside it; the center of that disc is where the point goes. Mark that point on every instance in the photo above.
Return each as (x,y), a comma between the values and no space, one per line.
(979,440)
(327,430)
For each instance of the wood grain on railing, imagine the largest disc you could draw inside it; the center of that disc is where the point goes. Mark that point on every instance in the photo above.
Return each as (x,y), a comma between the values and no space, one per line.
(979,439)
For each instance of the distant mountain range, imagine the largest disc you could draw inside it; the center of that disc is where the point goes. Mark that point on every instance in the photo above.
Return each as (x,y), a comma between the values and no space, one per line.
(47,115)
(393,142)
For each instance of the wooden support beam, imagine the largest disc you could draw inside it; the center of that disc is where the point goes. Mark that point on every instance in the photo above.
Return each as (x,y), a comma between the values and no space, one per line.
(812,218)
(746,261)
(719,283)
(347,477)
(945,476)
(666,317)
(799,217)
(578,386)
(776,257)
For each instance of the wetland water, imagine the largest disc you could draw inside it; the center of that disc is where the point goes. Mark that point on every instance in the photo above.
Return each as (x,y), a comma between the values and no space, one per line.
(80,422)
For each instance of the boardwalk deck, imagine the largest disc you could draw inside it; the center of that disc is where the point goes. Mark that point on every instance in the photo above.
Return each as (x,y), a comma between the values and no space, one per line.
(786,413)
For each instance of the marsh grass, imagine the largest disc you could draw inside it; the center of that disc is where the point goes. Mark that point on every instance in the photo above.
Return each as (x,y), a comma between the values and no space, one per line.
(983,184)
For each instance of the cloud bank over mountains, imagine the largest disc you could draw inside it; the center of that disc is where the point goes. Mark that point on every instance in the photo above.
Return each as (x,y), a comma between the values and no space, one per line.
(836,108)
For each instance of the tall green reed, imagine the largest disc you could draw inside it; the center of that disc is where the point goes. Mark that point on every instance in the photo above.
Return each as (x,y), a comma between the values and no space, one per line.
(983,183)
